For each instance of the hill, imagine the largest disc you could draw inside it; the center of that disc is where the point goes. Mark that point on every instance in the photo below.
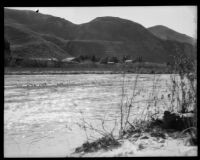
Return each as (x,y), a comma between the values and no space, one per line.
(34,34)
(166,33)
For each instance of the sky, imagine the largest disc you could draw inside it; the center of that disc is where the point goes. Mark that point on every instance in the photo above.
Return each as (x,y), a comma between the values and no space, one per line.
(182,19)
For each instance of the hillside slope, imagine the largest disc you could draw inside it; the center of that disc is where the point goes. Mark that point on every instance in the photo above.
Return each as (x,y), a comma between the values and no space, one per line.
(169,34)
(38,35)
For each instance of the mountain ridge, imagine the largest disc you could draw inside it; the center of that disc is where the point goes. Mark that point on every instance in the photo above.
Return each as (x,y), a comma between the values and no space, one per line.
(167,33)
(101,37)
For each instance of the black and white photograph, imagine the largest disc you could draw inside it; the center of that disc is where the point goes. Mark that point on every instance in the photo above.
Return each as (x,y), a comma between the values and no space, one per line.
(100,81)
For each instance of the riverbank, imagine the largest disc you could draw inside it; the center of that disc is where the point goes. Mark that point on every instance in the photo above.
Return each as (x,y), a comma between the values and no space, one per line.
(83,69)
(171,135)
(146,142)
(146,148)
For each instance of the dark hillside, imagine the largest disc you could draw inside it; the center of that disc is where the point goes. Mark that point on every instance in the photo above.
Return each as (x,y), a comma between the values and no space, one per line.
(169,34)
(36,34)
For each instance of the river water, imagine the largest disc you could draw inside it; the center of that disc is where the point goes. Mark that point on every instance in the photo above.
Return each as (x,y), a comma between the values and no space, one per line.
(43,113)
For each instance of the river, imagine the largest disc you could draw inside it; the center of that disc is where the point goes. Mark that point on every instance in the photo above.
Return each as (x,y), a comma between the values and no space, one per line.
(43,113)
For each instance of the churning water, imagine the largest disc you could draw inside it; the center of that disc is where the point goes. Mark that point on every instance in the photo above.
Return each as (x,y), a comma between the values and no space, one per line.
(43,113)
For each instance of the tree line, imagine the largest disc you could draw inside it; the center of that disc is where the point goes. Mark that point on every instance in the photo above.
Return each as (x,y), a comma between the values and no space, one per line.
(106,59)
(9,60)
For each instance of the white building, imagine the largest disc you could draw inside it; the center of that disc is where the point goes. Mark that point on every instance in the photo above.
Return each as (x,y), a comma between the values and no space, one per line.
(128,61)
(70,59)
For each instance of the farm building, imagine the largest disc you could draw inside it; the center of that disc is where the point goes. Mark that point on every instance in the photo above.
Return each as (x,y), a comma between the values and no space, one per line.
(128,61)
(111,63)
(70,60)
(46,62)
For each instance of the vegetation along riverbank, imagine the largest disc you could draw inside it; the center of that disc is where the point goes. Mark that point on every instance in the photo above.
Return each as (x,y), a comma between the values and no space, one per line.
(172,132)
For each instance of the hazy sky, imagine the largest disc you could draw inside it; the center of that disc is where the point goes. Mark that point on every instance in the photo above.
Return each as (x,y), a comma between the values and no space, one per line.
(179,18)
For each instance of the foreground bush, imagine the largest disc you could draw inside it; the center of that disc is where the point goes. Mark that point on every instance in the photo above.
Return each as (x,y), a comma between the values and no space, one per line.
(106,142)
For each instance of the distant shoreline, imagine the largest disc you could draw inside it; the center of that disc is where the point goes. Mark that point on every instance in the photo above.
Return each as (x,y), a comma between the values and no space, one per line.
(56,71)
(62,72)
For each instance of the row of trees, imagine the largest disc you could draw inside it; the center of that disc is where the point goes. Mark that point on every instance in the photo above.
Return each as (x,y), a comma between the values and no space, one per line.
(107,59)
(7,52)
(37,63)
(22,62)
(87,58)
